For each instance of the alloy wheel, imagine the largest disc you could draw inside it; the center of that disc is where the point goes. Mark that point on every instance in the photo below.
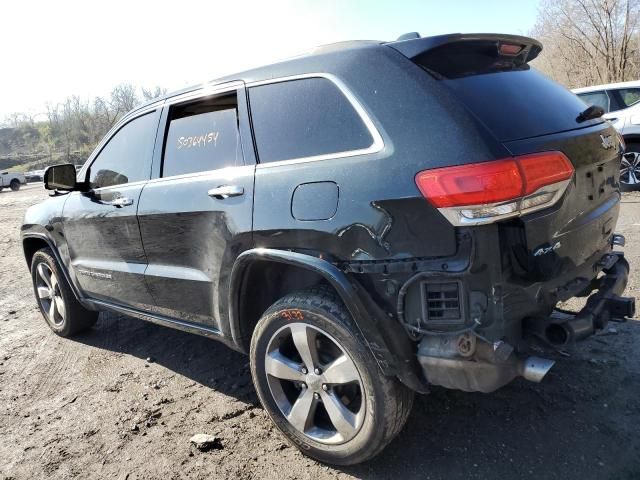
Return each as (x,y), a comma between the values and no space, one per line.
(315,383)
(49,294)
(630,168)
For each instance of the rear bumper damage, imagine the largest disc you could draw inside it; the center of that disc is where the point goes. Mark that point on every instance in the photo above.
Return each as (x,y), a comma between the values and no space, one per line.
(467,361)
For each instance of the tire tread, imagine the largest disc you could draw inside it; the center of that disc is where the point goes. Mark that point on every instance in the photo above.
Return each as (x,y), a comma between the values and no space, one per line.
(398,399)
(77,318)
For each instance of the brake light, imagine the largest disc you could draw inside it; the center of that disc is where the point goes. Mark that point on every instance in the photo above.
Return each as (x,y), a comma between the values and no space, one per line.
(542,169)
(478,183)
(489,191)
(510,49)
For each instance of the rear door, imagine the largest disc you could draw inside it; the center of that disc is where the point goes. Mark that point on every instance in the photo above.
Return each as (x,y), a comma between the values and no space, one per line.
(196,214)
(100,226)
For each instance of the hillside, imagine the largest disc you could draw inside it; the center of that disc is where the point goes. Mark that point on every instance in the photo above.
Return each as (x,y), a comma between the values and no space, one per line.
(70,131)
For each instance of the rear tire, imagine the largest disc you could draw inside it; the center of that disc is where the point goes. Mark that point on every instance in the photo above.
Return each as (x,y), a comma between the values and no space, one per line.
(58,305)
(15,185)
(630,168)
(319,382)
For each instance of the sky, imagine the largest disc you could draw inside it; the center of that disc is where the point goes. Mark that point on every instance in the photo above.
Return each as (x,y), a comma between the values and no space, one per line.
(55,49)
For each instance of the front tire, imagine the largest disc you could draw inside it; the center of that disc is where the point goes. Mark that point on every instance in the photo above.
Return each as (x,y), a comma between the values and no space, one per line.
(14,185)
(320,384)
(58,305)
(630,168)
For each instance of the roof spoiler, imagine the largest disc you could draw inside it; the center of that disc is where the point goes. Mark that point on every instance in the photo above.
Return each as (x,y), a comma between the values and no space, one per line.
(460,54)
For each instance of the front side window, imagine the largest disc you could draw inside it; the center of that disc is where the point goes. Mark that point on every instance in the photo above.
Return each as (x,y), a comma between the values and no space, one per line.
(304,118)
(599,99)
(127,156)
(202,136)
(629,96)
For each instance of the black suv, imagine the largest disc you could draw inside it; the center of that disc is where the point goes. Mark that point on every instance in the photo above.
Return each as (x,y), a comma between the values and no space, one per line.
(365,221)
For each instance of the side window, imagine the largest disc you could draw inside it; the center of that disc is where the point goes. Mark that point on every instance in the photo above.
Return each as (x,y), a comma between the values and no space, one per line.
(599,99)
(304,118)
(629,96)
(126,158)
(202,136)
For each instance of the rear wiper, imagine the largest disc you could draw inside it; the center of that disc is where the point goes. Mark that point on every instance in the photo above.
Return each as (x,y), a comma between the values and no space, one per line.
(590,113)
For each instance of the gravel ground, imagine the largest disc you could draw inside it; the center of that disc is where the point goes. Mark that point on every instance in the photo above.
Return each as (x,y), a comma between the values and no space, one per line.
(124,399)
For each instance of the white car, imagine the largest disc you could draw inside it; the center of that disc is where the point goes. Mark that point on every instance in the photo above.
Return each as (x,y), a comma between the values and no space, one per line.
(621,103)
(12,180)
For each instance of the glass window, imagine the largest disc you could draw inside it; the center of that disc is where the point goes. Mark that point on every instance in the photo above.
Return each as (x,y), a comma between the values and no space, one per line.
(629,96)
(126,158)
(304,118)
(202,136)
(599,99)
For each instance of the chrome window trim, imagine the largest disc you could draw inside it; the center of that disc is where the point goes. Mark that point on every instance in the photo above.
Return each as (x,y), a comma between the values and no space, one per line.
(206,90)
(203,92)
(225,172)
(222,88)
(375,147)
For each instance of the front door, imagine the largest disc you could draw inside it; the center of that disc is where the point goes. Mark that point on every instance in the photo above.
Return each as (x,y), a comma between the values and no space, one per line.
(195,218)
(105,248)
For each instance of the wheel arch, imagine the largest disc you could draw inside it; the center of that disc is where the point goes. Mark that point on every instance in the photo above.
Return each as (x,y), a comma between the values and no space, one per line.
(32,242)
(390,346)
(632,138)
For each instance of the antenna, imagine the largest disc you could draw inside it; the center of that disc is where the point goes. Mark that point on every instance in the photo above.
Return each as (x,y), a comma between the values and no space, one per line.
(409,36)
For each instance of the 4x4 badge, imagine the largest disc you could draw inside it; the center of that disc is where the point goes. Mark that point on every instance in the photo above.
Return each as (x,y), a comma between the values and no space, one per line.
(607,141)
(545,250)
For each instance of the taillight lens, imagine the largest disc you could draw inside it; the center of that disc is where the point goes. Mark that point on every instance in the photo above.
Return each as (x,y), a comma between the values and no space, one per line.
(541,169)
(475,184)
(488,191)
(509,49)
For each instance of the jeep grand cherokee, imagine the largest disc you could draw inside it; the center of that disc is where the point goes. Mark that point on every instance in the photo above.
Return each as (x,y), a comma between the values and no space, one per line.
(365,221)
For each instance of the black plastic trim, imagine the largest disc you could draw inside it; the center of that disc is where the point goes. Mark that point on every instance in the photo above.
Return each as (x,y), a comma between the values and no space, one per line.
(61,264)
(389,345)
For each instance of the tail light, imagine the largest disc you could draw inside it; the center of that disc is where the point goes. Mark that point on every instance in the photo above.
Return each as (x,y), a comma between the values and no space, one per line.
(490,191)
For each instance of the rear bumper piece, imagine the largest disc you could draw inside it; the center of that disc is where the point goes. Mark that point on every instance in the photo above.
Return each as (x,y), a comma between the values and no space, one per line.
(564,328)
(467,362)
(480,367)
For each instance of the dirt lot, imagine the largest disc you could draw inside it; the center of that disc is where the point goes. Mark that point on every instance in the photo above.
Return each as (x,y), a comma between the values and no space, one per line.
(123,400)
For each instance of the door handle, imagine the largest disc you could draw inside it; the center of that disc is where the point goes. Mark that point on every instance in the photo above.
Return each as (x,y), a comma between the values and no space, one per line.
(226,191)
(121,202)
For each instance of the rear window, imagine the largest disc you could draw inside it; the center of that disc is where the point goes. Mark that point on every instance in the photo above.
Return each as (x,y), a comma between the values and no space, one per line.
(519,104)
(629,96)
(304,118)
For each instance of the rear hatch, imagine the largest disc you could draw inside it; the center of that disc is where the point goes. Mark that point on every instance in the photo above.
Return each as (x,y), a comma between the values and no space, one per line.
(528,113)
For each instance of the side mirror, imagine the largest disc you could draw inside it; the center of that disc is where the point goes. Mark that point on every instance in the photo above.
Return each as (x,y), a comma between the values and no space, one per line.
(62,177)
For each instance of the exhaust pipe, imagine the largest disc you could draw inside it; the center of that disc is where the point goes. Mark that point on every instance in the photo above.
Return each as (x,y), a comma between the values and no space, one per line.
(534,369)
(558,334)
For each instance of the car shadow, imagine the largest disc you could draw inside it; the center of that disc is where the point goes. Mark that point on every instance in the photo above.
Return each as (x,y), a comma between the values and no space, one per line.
(569,426)
(203,360)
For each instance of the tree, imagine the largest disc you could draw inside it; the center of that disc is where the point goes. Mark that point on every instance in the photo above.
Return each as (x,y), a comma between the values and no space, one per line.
(588,42)
(151,94)
(72,128)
